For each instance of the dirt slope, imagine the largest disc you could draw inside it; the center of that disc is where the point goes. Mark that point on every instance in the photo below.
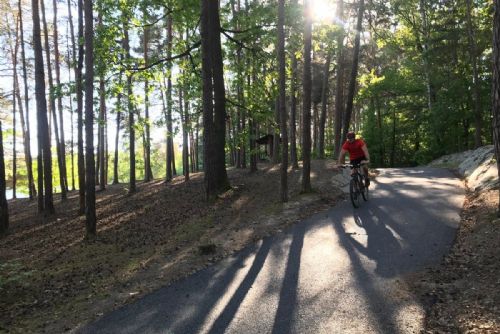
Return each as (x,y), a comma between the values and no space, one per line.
(463,293)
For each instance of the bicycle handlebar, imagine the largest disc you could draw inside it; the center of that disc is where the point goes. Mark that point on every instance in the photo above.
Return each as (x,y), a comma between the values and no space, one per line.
(349,165)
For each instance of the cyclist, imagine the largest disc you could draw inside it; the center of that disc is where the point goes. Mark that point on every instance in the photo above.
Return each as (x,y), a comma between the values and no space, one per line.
(358,152)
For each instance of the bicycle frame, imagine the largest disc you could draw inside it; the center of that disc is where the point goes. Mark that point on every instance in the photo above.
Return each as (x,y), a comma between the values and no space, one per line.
(356,185)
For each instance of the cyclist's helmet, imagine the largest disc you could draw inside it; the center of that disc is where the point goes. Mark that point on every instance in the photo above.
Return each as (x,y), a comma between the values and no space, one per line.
(351,135)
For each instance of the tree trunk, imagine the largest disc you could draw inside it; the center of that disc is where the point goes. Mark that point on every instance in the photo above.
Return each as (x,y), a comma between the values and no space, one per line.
(339,89)
(101,142)
(185,149)
(315,121)
(293,113)
(197,144)
(324,103)
(276,133)
(148,173)
(72,63)
(475,77)
(90,211)
(381,133)
(14,141)
(170,151)
(4,207)
(214,110)
(425,57)
(62,144)
(130,107)
(393,139)
(45,155)
(79,99)
(282,101)
(14,51)
(192,145)
(23,126)
(117,136)
(354,71)
(306,101)
(72,146)
(106,151)
(253,126)
(27,137)
(52,105)
(496,88)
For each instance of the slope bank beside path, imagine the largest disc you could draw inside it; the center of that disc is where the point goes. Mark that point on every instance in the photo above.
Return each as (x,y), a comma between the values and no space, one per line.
(462,294)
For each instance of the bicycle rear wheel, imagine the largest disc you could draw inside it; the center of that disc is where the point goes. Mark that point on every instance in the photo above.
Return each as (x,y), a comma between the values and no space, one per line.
(364,188)
(354,192)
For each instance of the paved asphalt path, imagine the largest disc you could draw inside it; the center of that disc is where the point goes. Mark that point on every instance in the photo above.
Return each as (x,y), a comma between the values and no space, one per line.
(336,272)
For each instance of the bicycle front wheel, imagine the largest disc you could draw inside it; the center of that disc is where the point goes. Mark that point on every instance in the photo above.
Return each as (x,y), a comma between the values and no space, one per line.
(354,192)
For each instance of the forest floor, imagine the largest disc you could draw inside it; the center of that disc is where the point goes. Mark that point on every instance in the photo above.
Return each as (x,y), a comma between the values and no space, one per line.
(462,294)
(52,280)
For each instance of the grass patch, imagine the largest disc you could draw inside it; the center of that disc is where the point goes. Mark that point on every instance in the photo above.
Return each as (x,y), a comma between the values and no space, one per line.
(13,274)
(193,230)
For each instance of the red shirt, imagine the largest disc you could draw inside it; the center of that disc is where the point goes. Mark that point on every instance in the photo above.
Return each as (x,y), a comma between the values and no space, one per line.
(354,148)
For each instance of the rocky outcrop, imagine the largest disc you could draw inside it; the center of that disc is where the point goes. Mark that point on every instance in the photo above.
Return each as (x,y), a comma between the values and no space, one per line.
(478,167)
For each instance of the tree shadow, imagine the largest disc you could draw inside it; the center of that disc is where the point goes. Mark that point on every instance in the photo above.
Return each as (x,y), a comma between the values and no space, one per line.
(224,319)
(185,308)
(288,293)
(377,304)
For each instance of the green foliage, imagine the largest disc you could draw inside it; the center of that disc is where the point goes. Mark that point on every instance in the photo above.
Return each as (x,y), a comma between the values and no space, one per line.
(399,122)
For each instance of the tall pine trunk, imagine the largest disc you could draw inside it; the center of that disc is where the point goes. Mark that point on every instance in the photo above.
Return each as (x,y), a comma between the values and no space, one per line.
(27,137)
(90,211)
(117,135)
(282,101)
(79,99)
(293,113)
(324,104)
(4,207)
(183,110)
(306,100)
(495,93)
(354,71)
(424,49)
(57,63)
(45,155)
(131,111)
(101,141)
(72,65)
(475,76)
(170,146)
(14,139)
(339,83)
(52,104)
(214,109)
(148,173)
(15,93)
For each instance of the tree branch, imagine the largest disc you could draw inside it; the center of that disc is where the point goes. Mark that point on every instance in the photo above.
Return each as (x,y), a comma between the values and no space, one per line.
(240,43)
(246,30)
(180,55)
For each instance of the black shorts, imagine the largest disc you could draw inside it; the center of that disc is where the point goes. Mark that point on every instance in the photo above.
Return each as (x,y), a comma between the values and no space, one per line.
(358,161)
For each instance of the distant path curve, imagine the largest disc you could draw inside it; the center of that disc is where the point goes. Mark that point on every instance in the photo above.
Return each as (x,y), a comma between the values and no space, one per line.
(336,272)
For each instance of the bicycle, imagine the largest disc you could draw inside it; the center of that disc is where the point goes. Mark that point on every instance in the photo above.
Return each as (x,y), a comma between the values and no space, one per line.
(357,184)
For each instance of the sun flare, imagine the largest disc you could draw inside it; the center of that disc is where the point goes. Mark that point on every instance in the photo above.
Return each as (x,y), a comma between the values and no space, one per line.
(323,10)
